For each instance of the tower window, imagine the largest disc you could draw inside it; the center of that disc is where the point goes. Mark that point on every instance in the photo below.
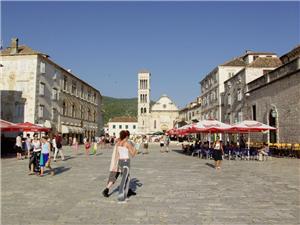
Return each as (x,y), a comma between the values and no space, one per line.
(145,110)
(142,110)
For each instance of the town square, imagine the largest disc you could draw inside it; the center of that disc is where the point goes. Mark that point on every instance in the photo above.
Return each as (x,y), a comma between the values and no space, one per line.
(150,112)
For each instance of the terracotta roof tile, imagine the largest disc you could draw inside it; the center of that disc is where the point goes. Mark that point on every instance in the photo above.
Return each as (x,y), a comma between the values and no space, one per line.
(124,119)
(22,50)
(235,62)
(266,62)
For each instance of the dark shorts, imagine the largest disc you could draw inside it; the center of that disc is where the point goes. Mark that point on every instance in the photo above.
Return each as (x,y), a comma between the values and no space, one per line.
(217,155)
(113,176)
(18,149)
(161,145)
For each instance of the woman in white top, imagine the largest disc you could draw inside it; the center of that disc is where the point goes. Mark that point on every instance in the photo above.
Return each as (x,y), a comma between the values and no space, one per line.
(18,147)
(218,154)
(124,150)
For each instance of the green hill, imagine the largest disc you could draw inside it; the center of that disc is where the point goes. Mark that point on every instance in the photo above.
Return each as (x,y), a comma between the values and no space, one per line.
(113,107)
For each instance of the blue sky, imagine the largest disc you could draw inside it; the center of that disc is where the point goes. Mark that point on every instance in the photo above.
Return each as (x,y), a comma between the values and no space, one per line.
(107,43)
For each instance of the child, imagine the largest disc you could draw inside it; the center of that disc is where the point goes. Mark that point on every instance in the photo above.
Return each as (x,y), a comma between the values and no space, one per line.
(87,146)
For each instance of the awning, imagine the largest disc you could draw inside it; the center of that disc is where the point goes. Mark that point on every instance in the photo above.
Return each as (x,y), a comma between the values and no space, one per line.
(71,129)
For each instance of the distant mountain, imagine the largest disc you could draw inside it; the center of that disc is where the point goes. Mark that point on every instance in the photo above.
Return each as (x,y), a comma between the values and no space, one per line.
(113,107)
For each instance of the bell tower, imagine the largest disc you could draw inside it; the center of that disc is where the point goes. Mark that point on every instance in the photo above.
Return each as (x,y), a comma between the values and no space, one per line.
(143,101)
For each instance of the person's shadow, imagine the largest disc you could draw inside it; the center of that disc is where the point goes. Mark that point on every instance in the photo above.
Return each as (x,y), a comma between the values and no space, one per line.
(133,185)
(210,165)
(60,169)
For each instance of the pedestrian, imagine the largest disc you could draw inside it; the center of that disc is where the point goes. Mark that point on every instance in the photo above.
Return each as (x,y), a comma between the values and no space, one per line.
(115,169)
(45,157)
(162,143)
(124,150)
(58,141)
(75,145)
(35,158)
(95,147)
(167,143)
(28,145)
(218,154)
(87,146)
(18,146)
(146,145)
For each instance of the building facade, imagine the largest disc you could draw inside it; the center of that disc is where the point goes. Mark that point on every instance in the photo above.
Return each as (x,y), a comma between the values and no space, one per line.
(117,124)
(54,97)
(159,117)
(233,99)
(191,113)
(212,86)
(274,99)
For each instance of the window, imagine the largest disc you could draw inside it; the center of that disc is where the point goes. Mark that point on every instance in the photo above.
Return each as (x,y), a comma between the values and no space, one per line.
(54,114)
(88,114)
(54,94)
(89,95)
(120,126)
(55,75)
(95,97)
(154,125)
(65,83)
(193,114)
(41,111)
(254,112)
(240,116)
(142,110)
(126,126)
(73,87)
(114,126)
(255,57)
(145,110)
(164,106)
(42,89)
(82,91)
(81,112)
(134,127)
(73,112)
(229,99)
(239,95)
(64,108)
(94,116)
(42,67)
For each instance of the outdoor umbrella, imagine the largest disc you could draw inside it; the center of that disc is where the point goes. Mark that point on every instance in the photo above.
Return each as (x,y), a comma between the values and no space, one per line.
(251,126)
(8,126)
(30,127)
(210,126)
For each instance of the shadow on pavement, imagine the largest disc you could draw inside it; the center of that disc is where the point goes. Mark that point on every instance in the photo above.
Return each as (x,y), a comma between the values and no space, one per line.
(134,184)
(210,165)
(180,151)
(68,157)
(60,169)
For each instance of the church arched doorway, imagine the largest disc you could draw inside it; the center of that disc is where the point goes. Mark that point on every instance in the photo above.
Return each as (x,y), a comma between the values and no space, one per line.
(273,122)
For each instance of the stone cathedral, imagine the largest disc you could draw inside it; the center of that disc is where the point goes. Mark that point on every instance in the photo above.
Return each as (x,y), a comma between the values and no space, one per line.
(161,116)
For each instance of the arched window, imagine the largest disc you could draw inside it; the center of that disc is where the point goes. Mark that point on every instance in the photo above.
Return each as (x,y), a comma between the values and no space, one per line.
(145,110)
(142,110)
(81,112)
(154,124)
(94,116)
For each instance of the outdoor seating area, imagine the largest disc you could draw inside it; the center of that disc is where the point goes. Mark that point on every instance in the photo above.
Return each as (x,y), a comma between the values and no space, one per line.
(278,150)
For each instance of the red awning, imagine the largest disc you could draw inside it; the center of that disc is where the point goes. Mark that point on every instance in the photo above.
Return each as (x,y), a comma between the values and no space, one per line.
(9,127)
(30,127)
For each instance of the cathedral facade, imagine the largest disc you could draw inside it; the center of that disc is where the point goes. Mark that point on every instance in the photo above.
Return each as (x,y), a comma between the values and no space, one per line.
(160,116)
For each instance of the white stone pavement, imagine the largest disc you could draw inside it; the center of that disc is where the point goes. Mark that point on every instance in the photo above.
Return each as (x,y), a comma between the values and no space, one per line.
(172,188)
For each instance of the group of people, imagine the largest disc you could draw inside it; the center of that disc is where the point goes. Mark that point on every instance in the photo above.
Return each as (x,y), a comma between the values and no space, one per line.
(38,151)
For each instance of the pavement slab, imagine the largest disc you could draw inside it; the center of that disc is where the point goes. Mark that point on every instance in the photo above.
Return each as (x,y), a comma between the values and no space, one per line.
(172,188)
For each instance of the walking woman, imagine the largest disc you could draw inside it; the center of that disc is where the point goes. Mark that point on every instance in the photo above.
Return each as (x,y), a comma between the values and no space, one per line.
(218,153)
(124,150)
(45,156)
(75,145)
(87,146)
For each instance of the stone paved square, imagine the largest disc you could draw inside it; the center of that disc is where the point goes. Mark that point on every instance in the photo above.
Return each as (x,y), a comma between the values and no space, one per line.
(172,188)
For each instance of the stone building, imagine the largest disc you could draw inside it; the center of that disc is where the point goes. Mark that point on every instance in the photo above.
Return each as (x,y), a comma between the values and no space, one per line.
(212,86)
(274,99)
(54,97)
(190,113)
(233,98)
(159,117)
(116,124)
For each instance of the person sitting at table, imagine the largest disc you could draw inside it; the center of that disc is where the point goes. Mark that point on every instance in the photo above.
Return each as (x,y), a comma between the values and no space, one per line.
(263,152)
